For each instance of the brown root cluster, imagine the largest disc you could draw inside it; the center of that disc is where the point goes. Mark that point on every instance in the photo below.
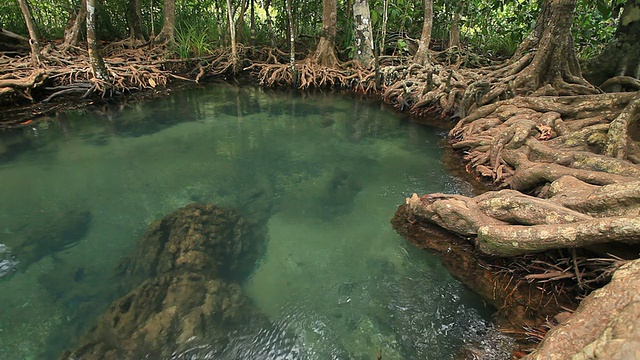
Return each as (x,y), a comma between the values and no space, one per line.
(145,67)
(563,160)
(275,71)
(432,88)
(63,73)
(562,186)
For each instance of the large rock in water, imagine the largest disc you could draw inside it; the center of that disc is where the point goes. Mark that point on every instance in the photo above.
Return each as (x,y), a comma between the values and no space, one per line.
(189,298)
(605,326)
(198,238)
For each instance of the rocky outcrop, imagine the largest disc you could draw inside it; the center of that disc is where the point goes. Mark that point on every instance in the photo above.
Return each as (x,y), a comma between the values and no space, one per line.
(197,238)
(185,293)
(605,325)
(168,314)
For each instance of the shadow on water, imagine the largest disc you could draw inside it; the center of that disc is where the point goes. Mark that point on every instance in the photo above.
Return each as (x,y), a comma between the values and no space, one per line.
(321,174)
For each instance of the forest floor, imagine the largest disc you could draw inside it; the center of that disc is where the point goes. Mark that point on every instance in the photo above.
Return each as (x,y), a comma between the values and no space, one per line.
(561,161)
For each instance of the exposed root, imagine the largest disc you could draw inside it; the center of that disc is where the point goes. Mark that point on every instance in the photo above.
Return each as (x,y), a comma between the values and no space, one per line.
(581,197)
(431,88)
(312,75)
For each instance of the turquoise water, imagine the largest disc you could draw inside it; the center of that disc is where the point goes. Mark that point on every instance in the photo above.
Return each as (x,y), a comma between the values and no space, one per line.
(325,172)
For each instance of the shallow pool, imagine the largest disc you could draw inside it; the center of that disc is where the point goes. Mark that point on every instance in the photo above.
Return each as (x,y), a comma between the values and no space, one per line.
(324,171)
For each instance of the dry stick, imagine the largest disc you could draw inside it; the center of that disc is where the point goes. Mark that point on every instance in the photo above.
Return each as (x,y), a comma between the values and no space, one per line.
(575,268)
(34,41)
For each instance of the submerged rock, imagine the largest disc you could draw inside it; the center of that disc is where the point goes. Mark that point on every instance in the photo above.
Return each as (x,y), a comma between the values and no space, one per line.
(184,274)
(166,315)
(197,238)
(340,194)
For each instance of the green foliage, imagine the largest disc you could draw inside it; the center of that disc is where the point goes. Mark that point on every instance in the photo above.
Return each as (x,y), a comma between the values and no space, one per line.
(503,46)
(593,27)
(111,22)
(494,28)
(50,17)
(497,28)
(195,39)
(11,17)
(345,37)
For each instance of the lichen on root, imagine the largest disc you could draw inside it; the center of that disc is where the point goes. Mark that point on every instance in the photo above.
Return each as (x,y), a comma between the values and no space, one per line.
(538,145)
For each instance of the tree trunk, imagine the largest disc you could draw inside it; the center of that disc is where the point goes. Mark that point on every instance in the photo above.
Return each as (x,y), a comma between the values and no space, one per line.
(97,64)
(34,41)
(72,33)
(292,39)
(253,23)
(385,20)
(617,68)
(454,32)
(244,5)
(13,42)
(232,34)
(325,53)
(422,55)
(153,27)
(269,23)
(617,143)
(167,34)
(134,20)
(554,68)
(363,33)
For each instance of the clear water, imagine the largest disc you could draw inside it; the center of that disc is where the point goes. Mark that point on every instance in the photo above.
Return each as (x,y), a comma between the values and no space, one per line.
(336,281)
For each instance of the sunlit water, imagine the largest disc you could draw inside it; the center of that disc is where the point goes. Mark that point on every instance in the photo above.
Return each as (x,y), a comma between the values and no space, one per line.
(336,281)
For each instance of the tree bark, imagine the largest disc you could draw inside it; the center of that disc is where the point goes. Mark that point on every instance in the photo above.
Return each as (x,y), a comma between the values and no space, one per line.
(134,20)
(292,50)
(72,33)
(325,52)
(13,42)
(621,58)
(244,5)
(454,32)
(97,63)
(618,135)
(511,240)
(34,41)
(253,23)
(605,325)
(232,34)
(385,20)
(554,69)
(422,55)
(167,34)
(363,33)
